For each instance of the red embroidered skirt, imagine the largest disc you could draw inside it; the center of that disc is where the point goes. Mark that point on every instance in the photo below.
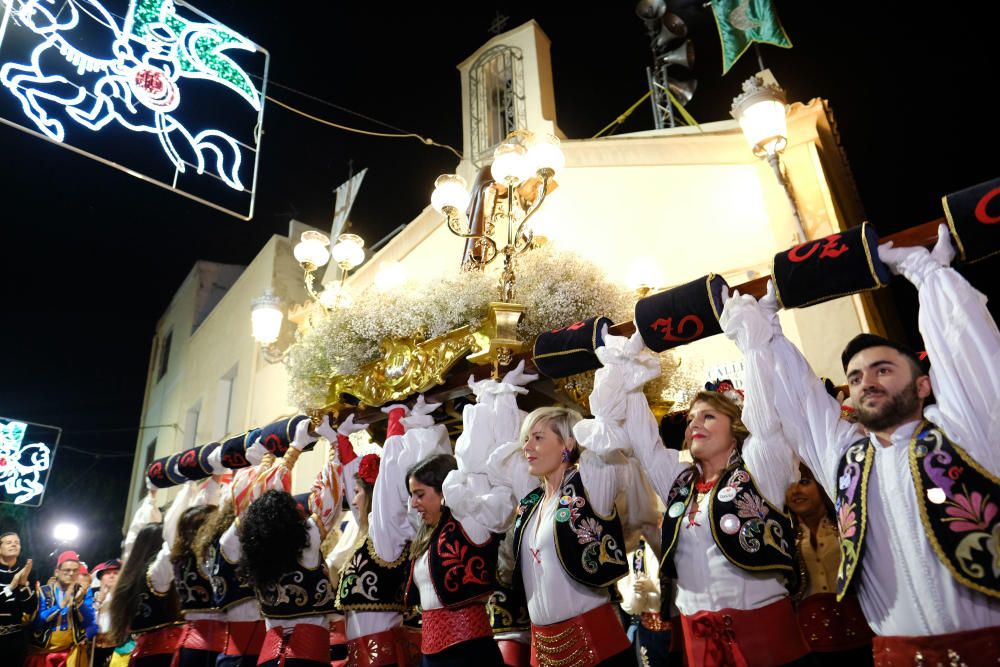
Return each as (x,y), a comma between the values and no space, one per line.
(388,647)
(446,627)
(829,625)
(973,648)
(158,642)
(744,638)
(204,635)
(583,640)
(305,641)
(244,637)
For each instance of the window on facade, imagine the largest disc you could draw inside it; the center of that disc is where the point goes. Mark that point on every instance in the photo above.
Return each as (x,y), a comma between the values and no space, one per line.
(496,86)
(147,458)
(164,360)
(191,426)
(224,404)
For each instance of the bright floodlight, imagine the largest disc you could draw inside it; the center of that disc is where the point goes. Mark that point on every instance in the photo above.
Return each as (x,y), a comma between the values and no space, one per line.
(66,532)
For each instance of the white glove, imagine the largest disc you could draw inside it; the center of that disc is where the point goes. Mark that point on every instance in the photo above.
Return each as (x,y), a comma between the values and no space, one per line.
(420,414)
(303,436)
(326,428)
(515,380)
(348,426)
(769,303)
(744,322)
(916,263)
(636,364)
(215,461)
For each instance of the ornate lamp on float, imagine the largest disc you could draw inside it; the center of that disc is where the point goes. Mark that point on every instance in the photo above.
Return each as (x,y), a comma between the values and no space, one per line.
(523,168)
(760,111)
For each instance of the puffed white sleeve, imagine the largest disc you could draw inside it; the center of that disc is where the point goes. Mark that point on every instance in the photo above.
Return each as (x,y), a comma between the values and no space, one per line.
(146,513)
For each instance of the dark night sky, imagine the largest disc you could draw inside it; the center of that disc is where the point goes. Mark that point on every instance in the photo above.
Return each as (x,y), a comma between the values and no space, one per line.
(92,256)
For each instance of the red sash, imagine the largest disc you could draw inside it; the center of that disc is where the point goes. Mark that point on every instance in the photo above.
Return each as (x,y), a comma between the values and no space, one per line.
(973,648)
(388,647)
(829,625)
(204,635)
(244,637)
(305,641)
(744,637)
(514,653)
(446,627)
(583,640)
(158,642)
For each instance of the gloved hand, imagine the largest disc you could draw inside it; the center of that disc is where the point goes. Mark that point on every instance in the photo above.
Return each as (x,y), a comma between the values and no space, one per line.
(516,379)
(769,303)
(349,426)
(630,358)
(303,435)
(420,414)
(916,263)
(744,321)
(327,429)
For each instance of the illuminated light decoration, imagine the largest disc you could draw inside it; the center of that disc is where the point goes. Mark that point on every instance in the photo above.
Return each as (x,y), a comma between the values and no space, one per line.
(132,75)
(23,468)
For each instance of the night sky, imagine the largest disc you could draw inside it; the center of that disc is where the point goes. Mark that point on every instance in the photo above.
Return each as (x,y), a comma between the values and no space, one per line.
(92,256)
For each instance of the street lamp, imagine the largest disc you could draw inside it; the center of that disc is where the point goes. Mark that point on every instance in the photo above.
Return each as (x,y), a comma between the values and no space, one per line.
(760,111)
(266,318)
(65,533)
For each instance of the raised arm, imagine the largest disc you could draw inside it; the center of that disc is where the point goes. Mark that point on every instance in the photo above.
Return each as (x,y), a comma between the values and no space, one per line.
(963,345)
(767,453)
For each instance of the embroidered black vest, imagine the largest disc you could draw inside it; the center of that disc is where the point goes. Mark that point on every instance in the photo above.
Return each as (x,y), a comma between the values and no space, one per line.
(193,587)
(460,569)
(591,547)
(229,585)
(751,533)
(508,610)
(368,583)
(957,499)
(301,592)
(155,610)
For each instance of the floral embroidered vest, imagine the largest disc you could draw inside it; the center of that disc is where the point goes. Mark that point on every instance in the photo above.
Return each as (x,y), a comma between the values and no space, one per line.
(461,570)
(193,587)
(301,592)
(591,547)
(155,610)
(957,499)
(751,533)
(229,585)
(368,583)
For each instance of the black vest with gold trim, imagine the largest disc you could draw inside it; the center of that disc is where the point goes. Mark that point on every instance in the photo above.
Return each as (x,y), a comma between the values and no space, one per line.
(460,570)
(155,610)
(193,587)
(591,547)
(957,499)
(751,533)
(508,610)
(368,583)
(300,592)
(229,585)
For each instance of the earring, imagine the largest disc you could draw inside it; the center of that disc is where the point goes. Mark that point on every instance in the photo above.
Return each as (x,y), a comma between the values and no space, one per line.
(565,456)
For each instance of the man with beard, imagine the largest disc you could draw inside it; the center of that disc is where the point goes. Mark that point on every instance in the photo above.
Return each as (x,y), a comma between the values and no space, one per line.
(916,485)
(18,603)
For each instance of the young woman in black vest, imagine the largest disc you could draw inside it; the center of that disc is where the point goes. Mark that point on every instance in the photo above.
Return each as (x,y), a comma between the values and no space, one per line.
(726,540)
(454,560)
(370,584)
(138,611)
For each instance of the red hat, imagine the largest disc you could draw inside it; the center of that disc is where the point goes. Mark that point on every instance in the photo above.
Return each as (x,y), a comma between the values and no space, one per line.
(83,568)
(68,555)
(108,566)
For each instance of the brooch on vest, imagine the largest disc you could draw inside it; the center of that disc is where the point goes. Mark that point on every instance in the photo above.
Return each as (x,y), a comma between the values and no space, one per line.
(958,508)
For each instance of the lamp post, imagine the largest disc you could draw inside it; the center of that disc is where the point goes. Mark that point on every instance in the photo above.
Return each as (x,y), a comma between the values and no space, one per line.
(266,318)
(760,111)
(523,156)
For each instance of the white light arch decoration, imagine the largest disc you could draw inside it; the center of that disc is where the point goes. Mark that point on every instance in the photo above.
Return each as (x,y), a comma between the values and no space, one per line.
(94,70)
(24,467)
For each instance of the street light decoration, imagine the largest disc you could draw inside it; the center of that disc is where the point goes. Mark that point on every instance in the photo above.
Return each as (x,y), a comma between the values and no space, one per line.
(25,466)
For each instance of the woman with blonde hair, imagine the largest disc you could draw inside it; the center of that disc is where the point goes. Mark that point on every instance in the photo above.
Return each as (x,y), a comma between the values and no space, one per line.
(725,538)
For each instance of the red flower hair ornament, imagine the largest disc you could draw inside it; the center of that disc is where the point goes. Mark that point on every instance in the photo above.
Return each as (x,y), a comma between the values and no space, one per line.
(368,469)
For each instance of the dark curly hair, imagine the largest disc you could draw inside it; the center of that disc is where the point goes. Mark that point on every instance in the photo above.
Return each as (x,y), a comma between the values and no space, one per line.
(132,582)
(187,529)
(273,533)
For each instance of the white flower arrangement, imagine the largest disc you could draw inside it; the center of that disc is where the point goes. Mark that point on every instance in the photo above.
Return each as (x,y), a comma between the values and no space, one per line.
(557,288)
